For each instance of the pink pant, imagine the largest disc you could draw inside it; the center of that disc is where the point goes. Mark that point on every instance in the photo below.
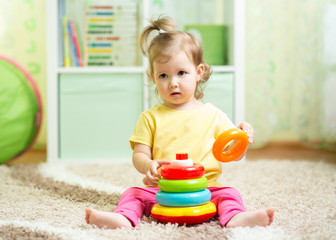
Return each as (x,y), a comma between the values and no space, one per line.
(136,201)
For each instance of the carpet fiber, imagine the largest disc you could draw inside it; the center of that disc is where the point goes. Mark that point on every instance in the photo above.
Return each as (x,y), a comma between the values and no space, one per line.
(47,201)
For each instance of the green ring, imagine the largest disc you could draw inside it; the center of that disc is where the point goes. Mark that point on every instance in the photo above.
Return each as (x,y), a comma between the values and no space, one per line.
(185,185)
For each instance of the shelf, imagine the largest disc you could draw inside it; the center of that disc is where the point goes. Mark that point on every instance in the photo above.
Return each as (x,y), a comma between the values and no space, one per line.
(211,21)
(228,69)
(101,70)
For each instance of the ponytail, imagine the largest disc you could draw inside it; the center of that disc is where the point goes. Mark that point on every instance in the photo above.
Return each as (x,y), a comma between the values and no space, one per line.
(162,25)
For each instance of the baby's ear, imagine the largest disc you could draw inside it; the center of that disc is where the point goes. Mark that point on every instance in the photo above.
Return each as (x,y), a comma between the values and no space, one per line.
(200,71)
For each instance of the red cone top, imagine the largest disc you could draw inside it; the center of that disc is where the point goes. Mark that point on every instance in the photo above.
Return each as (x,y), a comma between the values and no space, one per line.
(181,156)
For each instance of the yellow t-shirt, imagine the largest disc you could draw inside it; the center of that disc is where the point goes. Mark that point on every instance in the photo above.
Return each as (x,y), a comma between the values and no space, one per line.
(168,131)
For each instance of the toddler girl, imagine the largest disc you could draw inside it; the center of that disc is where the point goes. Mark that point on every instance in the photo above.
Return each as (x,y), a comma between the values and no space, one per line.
(182,123)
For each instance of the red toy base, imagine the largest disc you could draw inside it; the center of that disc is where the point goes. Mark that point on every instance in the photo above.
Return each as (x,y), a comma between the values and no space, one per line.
(181,220)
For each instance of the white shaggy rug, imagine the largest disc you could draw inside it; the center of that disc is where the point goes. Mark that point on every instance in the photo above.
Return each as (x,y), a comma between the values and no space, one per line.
(47,201)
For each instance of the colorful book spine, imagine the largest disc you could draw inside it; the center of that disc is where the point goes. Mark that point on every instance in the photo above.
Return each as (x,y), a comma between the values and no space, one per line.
(66,43)
(74,37)
(72,44)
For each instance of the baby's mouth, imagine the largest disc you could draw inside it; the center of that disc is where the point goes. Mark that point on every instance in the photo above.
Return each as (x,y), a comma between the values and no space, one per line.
(175,93)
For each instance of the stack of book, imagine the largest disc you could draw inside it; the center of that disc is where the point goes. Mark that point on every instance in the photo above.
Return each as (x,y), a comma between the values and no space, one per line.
(110,35)
(71,48)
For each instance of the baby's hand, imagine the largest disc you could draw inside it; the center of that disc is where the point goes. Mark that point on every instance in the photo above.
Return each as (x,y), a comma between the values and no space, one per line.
(248,129)
(152,175)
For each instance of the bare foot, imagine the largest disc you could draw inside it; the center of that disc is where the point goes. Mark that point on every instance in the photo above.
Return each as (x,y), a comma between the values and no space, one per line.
(251,219)
(109,220)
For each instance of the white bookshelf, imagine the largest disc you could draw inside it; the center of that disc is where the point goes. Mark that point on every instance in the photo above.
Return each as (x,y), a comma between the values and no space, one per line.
(56,74)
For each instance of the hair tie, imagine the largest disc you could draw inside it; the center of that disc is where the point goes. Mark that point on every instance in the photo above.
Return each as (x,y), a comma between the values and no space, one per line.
(161,31)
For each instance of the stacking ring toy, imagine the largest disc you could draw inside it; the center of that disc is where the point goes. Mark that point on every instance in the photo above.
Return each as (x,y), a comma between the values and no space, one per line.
(226,137)
(184,215)
(174,171)
(186,199)
(184,185)
(183,197)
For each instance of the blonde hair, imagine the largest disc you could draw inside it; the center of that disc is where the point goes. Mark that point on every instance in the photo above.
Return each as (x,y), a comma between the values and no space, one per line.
(168,41)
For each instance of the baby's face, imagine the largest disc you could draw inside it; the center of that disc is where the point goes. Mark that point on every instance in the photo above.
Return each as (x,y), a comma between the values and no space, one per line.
(176,80)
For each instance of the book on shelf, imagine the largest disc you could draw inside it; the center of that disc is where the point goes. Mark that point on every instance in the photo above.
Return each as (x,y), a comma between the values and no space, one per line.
(66,43)
(75,42)
(71,49)
(110,34)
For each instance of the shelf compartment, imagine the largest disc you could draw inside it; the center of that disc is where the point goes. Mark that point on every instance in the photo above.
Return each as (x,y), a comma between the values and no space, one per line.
(97,114)
(106,33)
(220,92)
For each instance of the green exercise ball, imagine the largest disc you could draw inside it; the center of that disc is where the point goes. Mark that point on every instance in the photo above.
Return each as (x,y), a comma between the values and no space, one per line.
(20,110)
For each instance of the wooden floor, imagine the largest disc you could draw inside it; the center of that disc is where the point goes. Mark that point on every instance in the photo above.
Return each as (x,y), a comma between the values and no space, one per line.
(32,156)
(290,151)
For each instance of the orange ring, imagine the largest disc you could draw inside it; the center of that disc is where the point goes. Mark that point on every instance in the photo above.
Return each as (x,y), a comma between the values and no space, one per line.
(223,139)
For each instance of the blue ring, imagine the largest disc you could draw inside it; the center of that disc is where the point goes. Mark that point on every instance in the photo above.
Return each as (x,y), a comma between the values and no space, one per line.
(186,199)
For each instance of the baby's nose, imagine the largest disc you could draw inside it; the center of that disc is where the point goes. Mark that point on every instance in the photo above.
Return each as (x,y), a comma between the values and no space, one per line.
(174,82)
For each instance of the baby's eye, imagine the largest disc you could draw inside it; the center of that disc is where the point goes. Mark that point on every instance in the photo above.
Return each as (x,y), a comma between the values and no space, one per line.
(181,73)
(163,76)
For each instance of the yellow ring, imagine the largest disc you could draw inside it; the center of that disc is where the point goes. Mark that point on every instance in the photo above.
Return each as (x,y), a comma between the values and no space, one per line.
(184,211)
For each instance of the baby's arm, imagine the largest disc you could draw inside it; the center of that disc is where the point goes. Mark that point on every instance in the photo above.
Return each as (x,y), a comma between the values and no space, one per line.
(143,162)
